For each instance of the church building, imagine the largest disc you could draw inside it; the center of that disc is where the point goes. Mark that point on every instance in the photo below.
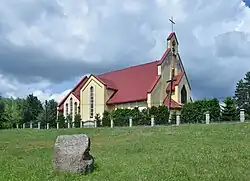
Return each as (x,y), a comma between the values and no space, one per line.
(161,82)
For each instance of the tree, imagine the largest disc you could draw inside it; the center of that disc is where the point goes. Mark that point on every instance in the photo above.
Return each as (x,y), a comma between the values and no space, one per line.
(78,120)
(242,93)
(98,120)
(229,112)
(61,119)
(32,108)
(106,119)
(51,112)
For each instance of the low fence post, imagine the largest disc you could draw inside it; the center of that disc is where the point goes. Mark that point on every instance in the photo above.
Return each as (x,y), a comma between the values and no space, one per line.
(47,125)
(57,125)
(207,117)
(152,121)
(31,125)
(242,115)
(178,119)
(130,122)
(23,125)
(111,123)
(39,125)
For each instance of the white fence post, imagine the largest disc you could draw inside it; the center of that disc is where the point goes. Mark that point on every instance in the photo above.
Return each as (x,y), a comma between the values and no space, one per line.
(152,121)
(178,119)
(111,123)
(242,115)
(130,122)
(57,125)
(39,125)
(47,125)
(31,125)
(207,117)
(23,125)
(17,126)
(68,124)
(81,124)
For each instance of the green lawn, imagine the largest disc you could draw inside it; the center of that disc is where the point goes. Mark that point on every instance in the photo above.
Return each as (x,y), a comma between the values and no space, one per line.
(188,152)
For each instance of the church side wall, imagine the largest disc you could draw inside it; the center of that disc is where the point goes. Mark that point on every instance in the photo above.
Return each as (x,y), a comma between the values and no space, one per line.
(155,94)
(99,99)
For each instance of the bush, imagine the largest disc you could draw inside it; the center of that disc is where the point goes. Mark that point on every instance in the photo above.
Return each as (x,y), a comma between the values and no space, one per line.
(77,120)
(195,112)
(121,116)
(98,120)
(106,119)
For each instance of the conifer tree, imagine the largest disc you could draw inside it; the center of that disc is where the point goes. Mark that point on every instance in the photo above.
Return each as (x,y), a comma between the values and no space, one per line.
(229,112)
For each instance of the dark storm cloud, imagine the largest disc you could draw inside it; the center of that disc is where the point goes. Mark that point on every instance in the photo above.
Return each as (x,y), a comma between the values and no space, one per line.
(28,65)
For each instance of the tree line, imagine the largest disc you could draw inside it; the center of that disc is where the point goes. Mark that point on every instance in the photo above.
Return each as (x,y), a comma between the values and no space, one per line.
(26,110)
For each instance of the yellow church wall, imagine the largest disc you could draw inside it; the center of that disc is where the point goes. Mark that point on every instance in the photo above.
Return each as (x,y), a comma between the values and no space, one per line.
(74,107)
(108,93)
(99,98)
(140,104)
(156,98)
(175,94)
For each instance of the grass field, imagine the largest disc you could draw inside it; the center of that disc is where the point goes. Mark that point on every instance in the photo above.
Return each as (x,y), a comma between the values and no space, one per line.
(188,152)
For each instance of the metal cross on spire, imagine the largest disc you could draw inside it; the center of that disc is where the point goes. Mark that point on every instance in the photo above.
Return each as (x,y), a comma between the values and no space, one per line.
(172,23)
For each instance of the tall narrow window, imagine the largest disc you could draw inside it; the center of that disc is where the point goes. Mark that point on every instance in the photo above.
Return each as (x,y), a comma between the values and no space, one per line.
(67,109)
(75,107)
(71,105)
(183,95)
(91,102)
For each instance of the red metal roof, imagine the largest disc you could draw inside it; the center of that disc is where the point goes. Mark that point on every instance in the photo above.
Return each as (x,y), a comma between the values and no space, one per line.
(75,91)
(132,84)
(174,104)
(176,81)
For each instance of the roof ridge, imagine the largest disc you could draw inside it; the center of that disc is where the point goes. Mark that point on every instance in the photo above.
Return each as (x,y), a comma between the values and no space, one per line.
(133,66)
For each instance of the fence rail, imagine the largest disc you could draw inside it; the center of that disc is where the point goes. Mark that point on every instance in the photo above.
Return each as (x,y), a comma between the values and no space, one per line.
(93,124)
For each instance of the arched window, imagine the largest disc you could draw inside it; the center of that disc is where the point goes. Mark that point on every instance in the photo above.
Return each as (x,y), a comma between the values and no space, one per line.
(183,95)
(71,105)
(75,107)
(91,102)
(67,109)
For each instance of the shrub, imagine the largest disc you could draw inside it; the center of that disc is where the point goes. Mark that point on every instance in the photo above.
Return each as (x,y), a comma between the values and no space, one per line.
(98,120)
(106,119)
(195,112)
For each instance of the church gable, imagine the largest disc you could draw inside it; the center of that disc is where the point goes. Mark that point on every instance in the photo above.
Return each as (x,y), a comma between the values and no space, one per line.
(92,100)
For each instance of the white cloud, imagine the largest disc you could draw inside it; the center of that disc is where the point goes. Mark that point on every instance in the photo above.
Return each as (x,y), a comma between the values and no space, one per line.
(213,36)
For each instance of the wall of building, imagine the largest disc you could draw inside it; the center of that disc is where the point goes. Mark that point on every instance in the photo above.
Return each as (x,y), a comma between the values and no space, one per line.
(74,107)
(108,93)
(157,95)
(141,105)
(99,99)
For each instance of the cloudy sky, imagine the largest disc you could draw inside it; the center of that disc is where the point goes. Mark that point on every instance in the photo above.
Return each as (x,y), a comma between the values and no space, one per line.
(46,46)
